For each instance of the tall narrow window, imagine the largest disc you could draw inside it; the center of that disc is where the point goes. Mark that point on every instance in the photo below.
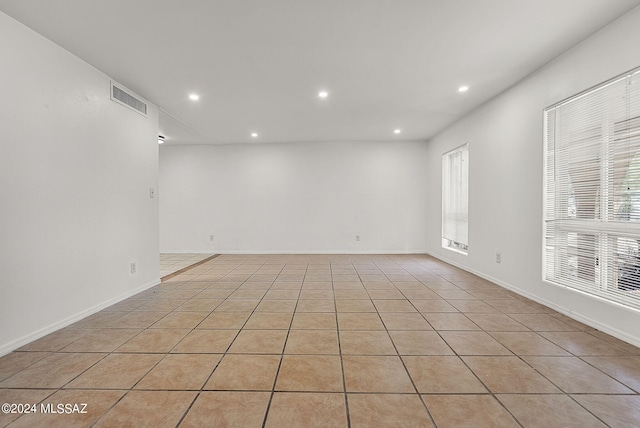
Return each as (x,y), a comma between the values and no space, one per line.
(455,199)
(592,191)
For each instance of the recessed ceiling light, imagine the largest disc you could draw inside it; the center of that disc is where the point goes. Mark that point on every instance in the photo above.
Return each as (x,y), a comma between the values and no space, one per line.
(254,134)
(194,97)
(160,139)
(463,89)
(323,94)
(397,131)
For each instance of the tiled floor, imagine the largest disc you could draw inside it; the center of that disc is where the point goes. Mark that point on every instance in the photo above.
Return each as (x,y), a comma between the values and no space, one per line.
(301,341)
(173,262)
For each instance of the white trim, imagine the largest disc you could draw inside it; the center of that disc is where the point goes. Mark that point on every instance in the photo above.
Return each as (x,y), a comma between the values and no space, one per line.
(301,252)
(17,343)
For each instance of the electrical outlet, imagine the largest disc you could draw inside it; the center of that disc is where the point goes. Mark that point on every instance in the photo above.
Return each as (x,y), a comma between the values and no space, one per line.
(357,237)
(132,267)
(210,237)
(498,257)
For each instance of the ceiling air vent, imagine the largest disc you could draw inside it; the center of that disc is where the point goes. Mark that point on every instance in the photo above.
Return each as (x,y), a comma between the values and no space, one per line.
(123,96)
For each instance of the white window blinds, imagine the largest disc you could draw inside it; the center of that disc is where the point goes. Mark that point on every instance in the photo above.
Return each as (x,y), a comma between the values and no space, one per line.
(592,191)
(455,199)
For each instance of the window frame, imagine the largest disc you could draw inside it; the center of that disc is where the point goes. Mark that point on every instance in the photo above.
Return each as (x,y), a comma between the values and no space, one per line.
(603,228)
(459,245)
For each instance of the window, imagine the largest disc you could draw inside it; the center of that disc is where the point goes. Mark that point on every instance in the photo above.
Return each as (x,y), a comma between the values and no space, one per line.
(592,191)
(455,199)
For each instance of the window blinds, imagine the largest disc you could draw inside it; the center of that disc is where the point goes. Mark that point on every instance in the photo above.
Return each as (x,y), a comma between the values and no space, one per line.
(592,191)
(455,197)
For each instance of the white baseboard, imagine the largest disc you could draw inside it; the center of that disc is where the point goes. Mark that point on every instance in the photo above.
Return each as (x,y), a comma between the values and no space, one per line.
(301,252)
(597,324)
(15,344)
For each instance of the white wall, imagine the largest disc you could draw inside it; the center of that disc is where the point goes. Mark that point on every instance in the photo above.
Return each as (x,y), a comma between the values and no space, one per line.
(294,198)
(75,173)
(506,162)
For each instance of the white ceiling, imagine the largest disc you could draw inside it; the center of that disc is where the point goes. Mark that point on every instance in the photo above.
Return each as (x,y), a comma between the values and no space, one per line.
(258,64)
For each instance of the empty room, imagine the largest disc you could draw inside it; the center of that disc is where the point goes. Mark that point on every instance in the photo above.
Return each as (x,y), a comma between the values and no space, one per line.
(294,213)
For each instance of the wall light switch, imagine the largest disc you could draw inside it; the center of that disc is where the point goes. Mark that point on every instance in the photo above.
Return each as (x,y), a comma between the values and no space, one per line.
(152,192)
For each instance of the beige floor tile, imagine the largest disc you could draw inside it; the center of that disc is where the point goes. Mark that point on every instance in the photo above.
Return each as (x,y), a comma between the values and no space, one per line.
(140,319)
(515,306)
(387,410)
(55,341)
(282,294)
(317,280)
(315,306)
(15,396)
(375,374)
(209,346)
(97,403)
(509,375)
(496,322)
(404,321)
(624,369)
(544,411)
(245,372)
(154,340)
(285,306)
(162,304)
(206,341)
(386,294)
(438,375)
(314,321)
(296,410)
(583,344)
(181,320)
(419,343)
(14,362)
(473,306)
(227,409)
(180,372)
(237,306)
(287,285)
(213,294)
(269,321)
(101,340)
(528,343)
(473,343)
(628,347)
(148,408)
(310,373)
(433,306)
(359,321)
(251,294)
(355,305)
(53,371)
(116,371)
(468,411)
(394,306)
(351,294)
(574,376)
(312,342)
(542,322)
(614,410)
(420,294)
(450,321)
(259,342)
(225,320)
(316,293)
(196,305)
(355,342)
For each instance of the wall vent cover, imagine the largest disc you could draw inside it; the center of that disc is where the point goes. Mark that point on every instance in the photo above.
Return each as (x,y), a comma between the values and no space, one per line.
(125,97)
